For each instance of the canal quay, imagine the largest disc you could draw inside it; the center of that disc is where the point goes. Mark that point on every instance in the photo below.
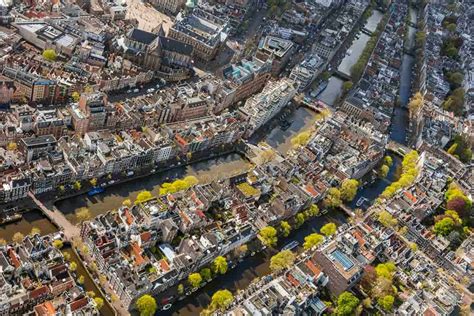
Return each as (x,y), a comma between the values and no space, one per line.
(333,91)
(256,266)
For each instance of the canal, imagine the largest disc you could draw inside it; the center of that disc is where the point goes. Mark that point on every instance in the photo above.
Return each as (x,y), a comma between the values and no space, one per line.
(31,219)
(245,272)
(398,128)
(334,88)
(301,119)
(112,198)
(89,285)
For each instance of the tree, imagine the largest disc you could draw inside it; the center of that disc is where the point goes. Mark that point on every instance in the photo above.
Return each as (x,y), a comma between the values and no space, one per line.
(195,279)
(312,240)
(385,270)
(83,214)
(444,227)
(3,242)
(62,188)
(12,146)
(66,256)
(146,305)
(459,205)
(333,198)
(383,172)
(346,304)
(77,185)
(206,274)
(221,299)
(282,260)
(312,211)
(73,266)
(268,236)
(35,231)
(329,229)
(57,243)
(91,294)
(127,203)
(368,279)
(455,79)
(99,302)
(349,189)
(387,160)
(455,102)
(18,237)
(49,54)
(386,219)
(93,182)
(386,302)
(299,220)
(143,196)
(347,85)
(220,265)
(191,181)
(75,96)
(416,102)
(301,139)
(285,228)
(180,289)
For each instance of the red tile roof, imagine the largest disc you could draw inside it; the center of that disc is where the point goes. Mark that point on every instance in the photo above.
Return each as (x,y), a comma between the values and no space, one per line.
(41,291)
(14,258)
(80,303)
(45,309)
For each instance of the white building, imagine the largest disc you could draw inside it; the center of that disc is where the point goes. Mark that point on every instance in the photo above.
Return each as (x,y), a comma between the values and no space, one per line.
(265,105)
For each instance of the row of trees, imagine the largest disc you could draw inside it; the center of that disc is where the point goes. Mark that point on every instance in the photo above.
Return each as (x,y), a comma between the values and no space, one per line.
(385,167)
(409,173)
(358,68)
(461,149)
(345,193)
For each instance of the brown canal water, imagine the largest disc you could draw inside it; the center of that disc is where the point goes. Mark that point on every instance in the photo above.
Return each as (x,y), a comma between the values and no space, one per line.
(33,218)
(89,285)
(112,198)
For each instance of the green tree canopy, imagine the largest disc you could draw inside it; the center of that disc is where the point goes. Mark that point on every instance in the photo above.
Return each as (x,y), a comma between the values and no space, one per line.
(143,196)
(333,198)
(349,189)
(282,260)
(444,227)
(386,219)
(206,274)
(220,265)
(346,304)
(195,279)
(285,228)
(312,240)
(221,299)
(49,54)
(268,236)
(146,305)
(386,302)
(329,229)
(385,270)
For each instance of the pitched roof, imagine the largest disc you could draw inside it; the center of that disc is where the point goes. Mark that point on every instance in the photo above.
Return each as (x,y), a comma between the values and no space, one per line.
(142,36)
(175,46)
(45,309)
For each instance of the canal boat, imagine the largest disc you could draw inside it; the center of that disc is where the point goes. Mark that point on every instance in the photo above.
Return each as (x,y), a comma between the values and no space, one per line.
(95,190)
(361,201)
(10,219)
(292,245)
(284,124)
(319,89)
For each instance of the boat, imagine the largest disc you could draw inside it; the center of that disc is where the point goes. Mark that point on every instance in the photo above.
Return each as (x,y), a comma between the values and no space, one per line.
(10,219)
(361,201)
(292,245)
(95,190)
(349,52)
(284,124)
(319,89)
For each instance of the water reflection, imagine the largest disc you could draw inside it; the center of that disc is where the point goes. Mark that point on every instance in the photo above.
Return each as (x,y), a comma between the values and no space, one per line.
(248,270)
(113,197)
(34,218)
(332,91)
(301,119)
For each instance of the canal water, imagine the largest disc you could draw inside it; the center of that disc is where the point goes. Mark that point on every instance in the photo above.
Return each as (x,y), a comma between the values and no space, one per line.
(112,198)
(245,272)
(334,89)
(332,92)
(34,218)
(301,119)
(398,128)
(89,285)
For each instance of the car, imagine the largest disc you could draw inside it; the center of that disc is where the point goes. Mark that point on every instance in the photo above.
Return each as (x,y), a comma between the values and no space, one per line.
(129,91)
(136,91)
(150,90)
